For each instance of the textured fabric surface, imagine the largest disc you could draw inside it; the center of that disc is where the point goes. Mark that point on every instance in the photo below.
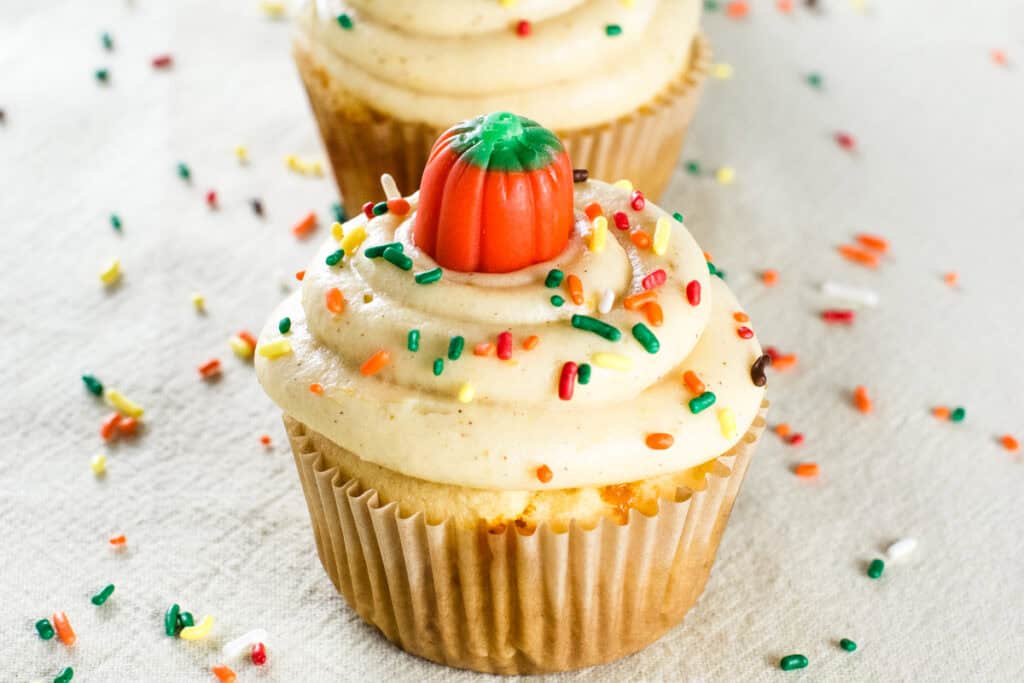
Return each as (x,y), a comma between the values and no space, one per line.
(217,522)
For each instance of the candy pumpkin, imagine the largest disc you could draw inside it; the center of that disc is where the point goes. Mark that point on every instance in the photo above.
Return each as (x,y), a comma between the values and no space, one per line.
(496,196)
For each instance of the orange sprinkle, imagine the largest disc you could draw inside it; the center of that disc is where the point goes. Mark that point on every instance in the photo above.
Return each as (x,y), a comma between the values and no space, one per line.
(655,316)
(875,242)
(316,388)
(593,210)
(531,342)
(737,9)
(375,363)
(483,349)
(784,6)
(544,474)
(127,425)
(247,338)
(575,289)
(334,300)
(741,317)
(224,673)
(118,540)
(861,399)
(640,238)
(209,368)
(1009,443)
(941,412)
(300,274)
(951,278)
(63,628)
(305,226)
(659,441)
(770,277)
(806,469)
(636,302)
(858,255)
(109,425)
(784,362)
(399,206)
(265,440)
(707,257)
(782,429)
(693,383)
(999,57)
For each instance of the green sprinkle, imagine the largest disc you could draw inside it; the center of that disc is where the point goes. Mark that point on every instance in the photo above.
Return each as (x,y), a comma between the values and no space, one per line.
(339,212)
(438,366)
(958,414)
(847,644)
(428,276)
(455,347)
(702,402)
(107,40)
(171,620)
(284,324)
(115,222)
(335,258)
(65,676)
(643,334)
(602,329)
(378,251)
(814,79)
(413,340)
(583,373)
(44,628)
(397,258)
(710,5)
(876,568)
(345,21)
(186,620)
(791,662)
(693,167)
(678,216)
(713,269)
(557,300)
(183,172)
(94,386)
(554,278)
(102,75)
(380,208)
(612,30)
(102,596)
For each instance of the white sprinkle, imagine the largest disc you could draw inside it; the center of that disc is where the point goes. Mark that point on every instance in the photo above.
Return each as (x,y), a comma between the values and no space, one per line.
(865,297)
(607,299)
(901,548)
(390,186)
(235,647)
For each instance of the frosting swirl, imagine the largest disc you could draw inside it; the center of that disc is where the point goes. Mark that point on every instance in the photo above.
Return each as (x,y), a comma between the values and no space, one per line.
(440,62)
(409,419)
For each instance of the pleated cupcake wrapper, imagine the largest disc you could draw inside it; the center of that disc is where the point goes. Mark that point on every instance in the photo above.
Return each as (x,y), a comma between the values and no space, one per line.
(362,143)
(508,602)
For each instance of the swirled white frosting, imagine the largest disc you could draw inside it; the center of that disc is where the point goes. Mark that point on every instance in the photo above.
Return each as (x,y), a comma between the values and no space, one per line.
(442,62)
(407,419)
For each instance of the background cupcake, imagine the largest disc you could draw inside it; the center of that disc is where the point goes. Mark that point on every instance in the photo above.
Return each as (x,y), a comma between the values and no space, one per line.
(618,81)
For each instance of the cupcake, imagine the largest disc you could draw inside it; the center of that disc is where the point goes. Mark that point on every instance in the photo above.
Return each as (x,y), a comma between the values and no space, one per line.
(521,405)
(618,81)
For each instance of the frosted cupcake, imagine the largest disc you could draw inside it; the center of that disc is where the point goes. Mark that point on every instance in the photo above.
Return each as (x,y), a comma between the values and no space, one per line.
(521,408)
(619,81)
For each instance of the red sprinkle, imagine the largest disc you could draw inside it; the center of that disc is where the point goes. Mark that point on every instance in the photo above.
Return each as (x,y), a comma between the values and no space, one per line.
(637,201)
(368,209)
(259,654)
(523,28)
(162,61)
(837,315)
(209,368)
(796,439)
(567,382)
(505,345)
(621,220)
(845,140)
(211,199)
(693,292)
(655,279)
(744,332)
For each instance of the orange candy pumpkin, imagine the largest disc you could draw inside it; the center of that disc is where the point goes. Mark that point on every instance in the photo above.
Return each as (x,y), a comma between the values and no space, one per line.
(496,196)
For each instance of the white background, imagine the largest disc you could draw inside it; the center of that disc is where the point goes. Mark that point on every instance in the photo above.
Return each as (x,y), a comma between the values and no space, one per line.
(217,522)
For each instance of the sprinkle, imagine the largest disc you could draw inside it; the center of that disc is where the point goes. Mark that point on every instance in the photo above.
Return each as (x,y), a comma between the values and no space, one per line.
(861,399)
(662,234)
(428,276)
(109,425)
(505,345)
(199,631)
(306,226)
(94,386)
(112,273)
(483,349)
(300,275)
(378,250)
(838,315)
(580,175)
(958,414)
(531,342)
(693,167)
(879,244)
(941,412)
(791,662)
(757,368)
(612,361)
(183,171)
(782,429)
(115,222)
(162,61)
(999,57)
(224,673)
(876,568)
(646,338)
(98,464)
(102,596)
(337,231)
(351,241)
(123,403)
(399,206)
(242,154)
(1009,442)
(725,175)
(604,306)
(118,540)
(796,439)
(107,41)
(845,140)
(44,629)
(455,347)
(637,201)
(575,289)
(171,620)
(951,278)
(815,79)
(63,628)
(659,441)
(900,549)
(557,300)
(602,329)
(715,271)
(334,258)
(678,216)
(744,332)
(865,297)
(694,384)
(599,236)
(127,425)
(640,239)
(275,349)
(612,30)
(567,380)
(375,363)
(284,325)
(770,277)
(554,278)
(466,393)
(368,209)
(727,422)
(334,300)
(390,187)
(273,10)
(380,208)
(857,255)
(345,21)
(544,474)
(438,366)
(102,75)
(413,340)
(583,373)
(693,292)
(636,302)
(237,646)
(65,676)
(806,470)
(316,388)
(702,402)
(655,316)
(240,347)
(593,210)
(523,28)
(621,220)
(737,9)
(211,199)
(186,619)
(209,368)
(847,644)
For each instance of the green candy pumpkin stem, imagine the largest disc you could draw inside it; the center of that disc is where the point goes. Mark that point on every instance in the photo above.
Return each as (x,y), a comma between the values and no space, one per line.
(503,141)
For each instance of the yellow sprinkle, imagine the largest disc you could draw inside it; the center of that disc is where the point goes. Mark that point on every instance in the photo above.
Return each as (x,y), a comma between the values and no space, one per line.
(272,9)
(628,3)
(727,422)
(242,154)
(123,404)
(240,347)
(466,393)
(199,301)
(293,163)
(612,361)
(337,232)
(662,233)
(508,3)
(352,241)
(199,631)
(599,237)
(111,273)
(623,185)
(316,168)
(725,175)
(275,349)
(722,71)
(98,464)
(390,187)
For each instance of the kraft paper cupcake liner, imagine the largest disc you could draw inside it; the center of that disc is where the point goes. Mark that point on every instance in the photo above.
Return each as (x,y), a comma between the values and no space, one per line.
(363,143)
(508,602)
